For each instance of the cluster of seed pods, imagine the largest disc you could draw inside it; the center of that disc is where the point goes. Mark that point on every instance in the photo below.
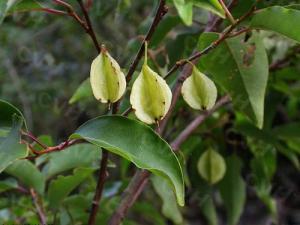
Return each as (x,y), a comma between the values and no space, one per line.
(150,95)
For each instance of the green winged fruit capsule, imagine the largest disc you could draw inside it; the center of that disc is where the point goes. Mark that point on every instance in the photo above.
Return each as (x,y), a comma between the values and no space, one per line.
(150,95)
(199,91)
(211,166)
(107,80)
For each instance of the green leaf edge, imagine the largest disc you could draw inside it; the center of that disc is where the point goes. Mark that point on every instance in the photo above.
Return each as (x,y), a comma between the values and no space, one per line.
(179,193)
(15,109)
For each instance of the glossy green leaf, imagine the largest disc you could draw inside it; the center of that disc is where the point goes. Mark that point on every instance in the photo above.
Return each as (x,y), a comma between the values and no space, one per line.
(10,6)
(241,69)
(10,147)
(211,5)
(107,79)
(169,206)
(211,166)
(150,96)
(233,190)
(81,155)
(62,186)
(185,11)
(137,143)
(7,111)
(28,174)
(199,91)
(282,20)
(83,92)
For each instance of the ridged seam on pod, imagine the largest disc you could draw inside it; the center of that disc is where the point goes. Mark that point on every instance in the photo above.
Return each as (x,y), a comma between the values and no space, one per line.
(107,80)
(199,91)
(150,95)
(211,166)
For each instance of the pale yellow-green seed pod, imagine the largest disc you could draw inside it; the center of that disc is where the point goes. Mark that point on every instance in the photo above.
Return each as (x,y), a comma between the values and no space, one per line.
(211,166)
(199,91)
(150,95)
(107,80)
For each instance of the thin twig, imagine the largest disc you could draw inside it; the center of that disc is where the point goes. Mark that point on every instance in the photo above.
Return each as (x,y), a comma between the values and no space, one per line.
(129,196)
(88,4)
(212,46)
(51,149)
(52,11)
(38,207)
(196,122)
(71,13)
(227,12)
(99,189)
(102,175)
(160,12)
(32,137)
(239,32)
(90,30)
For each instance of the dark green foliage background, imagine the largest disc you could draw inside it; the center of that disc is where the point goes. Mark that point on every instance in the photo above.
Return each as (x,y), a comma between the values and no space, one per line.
(43,60)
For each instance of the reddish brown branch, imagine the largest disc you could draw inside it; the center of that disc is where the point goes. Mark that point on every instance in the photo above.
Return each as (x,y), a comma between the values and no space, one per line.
(56,148)
(99,189)
(32,137)
(130,195)
(227,12)
(38,207)
(72,13)
(212,46)
(90,29)
(52,11)
(160,12)
(88,4)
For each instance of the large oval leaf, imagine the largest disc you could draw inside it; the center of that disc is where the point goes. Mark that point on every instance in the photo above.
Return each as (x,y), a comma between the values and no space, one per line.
(137,143)
(282,20)
(241,68)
